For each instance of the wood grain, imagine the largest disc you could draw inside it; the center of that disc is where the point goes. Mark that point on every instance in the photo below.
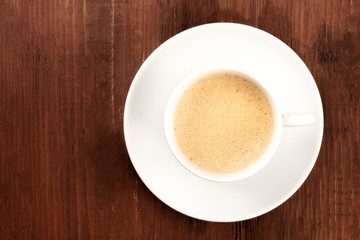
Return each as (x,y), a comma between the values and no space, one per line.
(65,69)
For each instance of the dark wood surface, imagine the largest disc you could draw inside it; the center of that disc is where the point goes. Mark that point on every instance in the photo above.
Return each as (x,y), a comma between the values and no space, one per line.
(65,69)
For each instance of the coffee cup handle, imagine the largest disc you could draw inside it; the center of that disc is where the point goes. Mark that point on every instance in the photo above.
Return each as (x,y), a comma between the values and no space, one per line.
(298,119)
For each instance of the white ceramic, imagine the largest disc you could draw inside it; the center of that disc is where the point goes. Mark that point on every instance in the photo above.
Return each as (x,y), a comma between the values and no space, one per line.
(307,119)
(262,56)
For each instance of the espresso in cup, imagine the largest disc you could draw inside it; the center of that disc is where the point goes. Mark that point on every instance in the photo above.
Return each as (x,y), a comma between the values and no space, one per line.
(223,123)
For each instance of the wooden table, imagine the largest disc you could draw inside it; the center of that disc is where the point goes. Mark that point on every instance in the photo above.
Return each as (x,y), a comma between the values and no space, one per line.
(65,69)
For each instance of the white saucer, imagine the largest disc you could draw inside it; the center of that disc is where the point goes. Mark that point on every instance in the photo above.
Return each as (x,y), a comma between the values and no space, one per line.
(257,53)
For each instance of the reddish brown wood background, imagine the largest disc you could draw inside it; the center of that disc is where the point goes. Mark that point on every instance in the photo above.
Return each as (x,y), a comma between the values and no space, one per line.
(65,69)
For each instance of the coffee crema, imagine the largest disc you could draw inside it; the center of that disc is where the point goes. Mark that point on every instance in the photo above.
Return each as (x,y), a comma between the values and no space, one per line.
(223,123)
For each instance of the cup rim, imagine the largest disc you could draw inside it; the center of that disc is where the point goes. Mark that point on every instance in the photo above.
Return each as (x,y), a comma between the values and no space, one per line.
(190,166)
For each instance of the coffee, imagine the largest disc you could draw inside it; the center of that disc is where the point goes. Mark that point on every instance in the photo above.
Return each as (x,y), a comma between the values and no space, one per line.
(223,123)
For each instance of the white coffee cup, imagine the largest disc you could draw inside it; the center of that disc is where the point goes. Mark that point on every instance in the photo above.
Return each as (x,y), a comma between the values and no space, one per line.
(280,120)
